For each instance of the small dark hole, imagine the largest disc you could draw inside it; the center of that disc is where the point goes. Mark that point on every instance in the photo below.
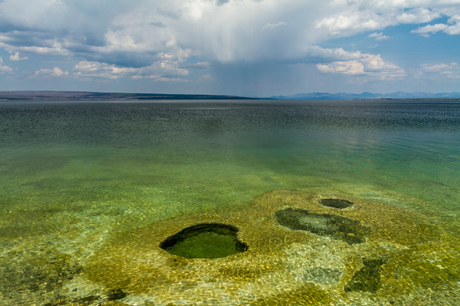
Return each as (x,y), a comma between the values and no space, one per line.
(336,203)
(209,240)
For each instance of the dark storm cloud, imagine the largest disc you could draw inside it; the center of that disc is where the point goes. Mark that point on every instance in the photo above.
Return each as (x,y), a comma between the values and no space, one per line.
(222,2)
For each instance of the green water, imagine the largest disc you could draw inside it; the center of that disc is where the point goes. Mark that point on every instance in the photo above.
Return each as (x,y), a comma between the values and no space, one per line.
(205,245)
(206,240)
(74,175)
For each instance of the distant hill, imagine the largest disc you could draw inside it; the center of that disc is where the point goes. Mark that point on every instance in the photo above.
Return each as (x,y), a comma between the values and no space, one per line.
(104,96)
(368,95)
(101,96)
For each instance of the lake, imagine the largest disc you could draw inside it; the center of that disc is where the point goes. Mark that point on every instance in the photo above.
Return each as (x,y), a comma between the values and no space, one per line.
(327,202)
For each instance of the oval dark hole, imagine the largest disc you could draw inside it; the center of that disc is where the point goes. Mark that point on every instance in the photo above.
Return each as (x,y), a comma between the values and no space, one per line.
(336,203)
(207,240)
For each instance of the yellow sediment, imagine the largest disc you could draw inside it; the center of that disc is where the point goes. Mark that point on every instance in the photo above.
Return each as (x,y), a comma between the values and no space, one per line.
(283,266)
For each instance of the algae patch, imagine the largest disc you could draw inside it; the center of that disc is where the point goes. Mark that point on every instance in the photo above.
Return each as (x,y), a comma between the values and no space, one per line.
(337,227)
(309,294)
(368,278)
(205,241)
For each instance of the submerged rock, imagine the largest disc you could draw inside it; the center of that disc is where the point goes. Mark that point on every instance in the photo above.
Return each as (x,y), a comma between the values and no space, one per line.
(115,294)
(348,230)
(367,279)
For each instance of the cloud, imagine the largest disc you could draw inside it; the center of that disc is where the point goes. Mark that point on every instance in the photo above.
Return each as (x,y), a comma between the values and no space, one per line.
(138,34)
(49,48)
(103,70)
(430,29)
(198,65)
(16,57)
(58,72)
(270,26)
(205,78)
(378,36)
(417,15)
(439,71)
(453,29)
(363,16)
(329,54)
(220,30)
(348,67)
(4,68)
(369,66)
(55,72)
(161,71)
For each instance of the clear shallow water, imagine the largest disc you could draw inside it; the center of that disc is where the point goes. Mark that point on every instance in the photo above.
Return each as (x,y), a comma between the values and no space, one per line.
(75,175)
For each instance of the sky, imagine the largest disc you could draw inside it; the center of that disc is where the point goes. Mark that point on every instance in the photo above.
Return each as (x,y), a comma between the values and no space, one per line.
(256,48)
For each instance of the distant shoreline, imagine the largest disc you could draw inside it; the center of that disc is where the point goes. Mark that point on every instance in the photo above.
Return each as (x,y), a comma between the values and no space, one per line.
(107,96)
(103,96)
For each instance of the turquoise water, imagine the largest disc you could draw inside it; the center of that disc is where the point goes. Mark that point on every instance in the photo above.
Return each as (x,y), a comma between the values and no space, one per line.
(75,175)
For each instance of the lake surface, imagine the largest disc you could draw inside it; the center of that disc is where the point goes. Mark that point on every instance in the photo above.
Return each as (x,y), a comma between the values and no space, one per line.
(88,190)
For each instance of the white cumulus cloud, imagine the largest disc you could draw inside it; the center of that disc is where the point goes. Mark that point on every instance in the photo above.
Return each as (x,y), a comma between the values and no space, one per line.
(160,71)
(330,54)
(55,72)
(16,57)
(373,15)
(439,71)
(452,27)
(378,36)
(4,68)
(370,66)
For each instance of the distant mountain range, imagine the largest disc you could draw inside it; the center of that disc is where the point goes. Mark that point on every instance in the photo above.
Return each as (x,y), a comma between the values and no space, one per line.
(368,95)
